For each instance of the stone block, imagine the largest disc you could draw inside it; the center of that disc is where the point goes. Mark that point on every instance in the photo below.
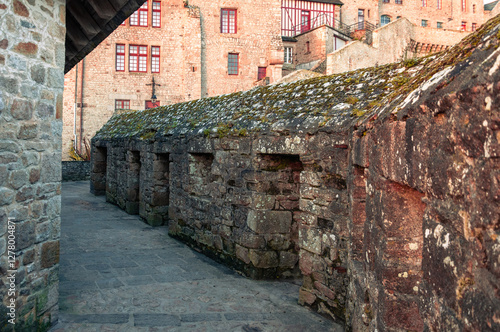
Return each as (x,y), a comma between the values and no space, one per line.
(21,109)
(269,222)
(310,239)
(263,259)
(288,259)
(18,178)
(25,234)
(306,297)
(242,253)
(263,202)
(49,254)
(253,241)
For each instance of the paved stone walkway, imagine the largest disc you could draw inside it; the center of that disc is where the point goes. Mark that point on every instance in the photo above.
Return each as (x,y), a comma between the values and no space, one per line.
(119,274)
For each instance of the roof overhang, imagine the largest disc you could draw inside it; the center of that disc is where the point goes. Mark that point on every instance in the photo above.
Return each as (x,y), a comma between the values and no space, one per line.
(89,22)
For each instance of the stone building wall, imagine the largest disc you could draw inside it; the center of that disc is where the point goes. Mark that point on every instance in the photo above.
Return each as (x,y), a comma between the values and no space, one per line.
(193,63)
(32,36)
(378,186)
(389,45)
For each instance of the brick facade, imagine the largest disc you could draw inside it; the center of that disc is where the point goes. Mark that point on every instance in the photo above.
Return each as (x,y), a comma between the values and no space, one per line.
(193,61)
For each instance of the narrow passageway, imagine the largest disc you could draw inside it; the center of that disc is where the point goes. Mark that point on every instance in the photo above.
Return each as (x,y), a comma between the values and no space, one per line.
(119,274)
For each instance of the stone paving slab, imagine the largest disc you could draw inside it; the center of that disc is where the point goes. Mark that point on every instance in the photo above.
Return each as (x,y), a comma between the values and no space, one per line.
(119,274)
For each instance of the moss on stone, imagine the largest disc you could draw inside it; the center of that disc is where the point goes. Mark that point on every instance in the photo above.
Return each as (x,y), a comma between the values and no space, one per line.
(342,99)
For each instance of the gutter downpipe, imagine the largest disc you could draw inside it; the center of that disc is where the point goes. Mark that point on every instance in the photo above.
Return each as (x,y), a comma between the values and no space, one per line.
(81,103)
(74,110)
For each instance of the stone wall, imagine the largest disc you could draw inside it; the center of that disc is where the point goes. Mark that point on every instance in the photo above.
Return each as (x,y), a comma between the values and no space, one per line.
(32,36)
(75,170)
(378,186)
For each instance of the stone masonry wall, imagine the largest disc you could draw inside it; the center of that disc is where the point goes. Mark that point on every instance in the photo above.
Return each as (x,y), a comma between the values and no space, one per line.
(32,36)
(75,170)
(378,186)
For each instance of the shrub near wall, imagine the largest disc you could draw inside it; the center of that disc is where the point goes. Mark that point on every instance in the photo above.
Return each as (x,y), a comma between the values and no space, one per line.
(381,184)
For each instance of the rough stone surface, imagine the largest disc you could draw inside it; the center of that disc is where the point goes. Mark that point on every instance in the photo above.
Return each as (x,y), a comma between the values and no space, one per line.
(26,141)
(390,175)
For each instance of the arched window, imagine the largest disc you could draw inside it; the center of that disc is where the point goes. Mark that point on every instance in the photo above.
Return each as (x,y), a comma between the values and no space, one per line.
(384,19)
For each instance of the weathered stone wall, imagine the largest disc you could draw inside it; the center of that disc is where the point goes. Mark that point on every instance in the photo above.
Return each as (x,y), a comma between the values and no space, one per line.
(381,184)
(75,170)
(31,89)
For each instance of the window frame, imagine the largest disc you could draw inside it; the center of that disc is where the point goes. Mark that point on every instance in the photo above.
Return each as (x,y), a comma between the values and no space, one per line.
(155,59)
(225,18)
(288,55)
(439,25)
(120,65)
(439,4)
(139,16)
(382,21)
(140,56)
(156,15)
(233,64)
(424,3)
(398,2)
(473,26)
(122,102)
(463,26)
(424,23)
(464,5)
(260,71)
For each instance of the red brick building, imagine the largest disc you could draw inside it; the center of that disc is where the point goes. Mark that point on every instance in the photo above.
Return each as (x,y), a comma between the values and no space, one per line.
(192,49)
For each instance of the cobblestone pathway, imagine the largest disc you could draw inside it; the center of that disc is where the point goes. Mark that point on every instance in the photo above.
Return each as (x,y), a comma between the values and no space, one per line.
(119,274)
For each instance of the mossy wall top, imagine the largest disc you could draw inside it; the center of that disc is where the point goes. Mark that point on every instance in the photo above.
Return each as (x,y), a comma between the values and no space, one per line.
(330,103)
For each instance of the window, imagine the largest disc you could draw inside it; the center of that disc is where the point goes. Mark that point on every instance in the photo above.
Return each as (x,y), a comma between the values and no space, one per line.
(398,2)
(384,19)
(156,14)
(424,3)
(120,57)
(474,9)
(288,55)
(308,47)
(464,5)
(439,4)
(424,23)
(398,17)
(138,58)
(439,25)
(140,17)
(305,21)
(386,1)
(463,26)
(150,104)
(122,104)
(155,59)
(232,63)
(473,27)
(261,73)
(228,21)
(361,19)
